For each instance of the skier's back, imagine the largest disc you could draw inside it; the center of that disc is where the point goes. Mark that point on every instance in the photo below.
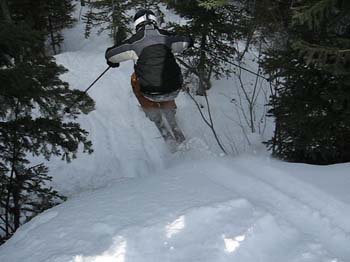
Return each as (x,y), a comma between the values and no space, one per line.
(157,79)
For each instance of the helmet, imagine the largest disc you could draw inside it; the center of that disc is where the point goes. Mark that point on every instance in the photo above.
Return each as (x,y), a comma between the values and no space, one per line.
(144,16)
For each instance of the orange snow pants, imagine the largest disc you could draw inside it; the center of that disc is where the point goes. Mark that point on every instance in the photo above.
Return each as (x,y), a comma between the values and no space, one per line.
(146,104)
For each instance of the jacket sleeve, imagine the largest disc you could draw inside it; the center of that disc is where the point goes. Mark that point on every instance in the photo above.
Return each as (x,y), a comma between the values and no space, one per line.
(180,43)
(121,53)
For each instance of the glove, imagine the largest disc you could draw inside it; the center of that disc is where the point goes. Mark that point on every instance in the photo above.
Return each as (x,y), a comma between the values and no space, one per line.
(113,65)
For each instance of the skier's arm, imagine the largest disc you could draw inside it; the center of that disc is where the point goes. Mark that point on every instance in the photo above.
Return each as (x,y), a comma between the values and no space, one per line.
(180,43)
(121,53)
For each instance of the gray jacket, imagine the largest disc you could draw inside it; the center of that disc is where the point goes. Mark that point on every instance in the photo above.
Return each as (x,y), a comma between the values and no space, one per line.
(152,49)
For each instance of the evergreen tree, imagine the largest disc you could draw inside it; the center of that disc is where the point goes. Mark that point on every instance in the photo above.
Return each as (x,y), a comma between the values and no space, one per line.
(114,16)
(311,104)
(326,42)
(215,31)
(59,16)
(46,16)
(108,15)
(33,121)
(312,111)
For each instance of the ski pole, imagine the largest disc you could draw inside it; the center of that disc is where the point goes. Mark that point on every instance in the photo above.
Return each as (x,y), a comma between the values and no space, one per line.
(67,109)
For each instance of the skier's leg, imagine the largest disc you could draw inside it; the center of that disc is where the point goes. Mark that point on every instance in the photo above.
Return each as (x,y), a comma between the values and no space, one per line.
(156,117)
(153,112)
(169,110)
(151,108)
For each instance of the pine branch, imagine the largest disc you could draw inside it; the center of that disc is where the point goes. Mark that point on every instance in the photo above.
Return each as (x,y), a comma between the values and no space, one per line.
(324,56)
(5,11)
(313,15)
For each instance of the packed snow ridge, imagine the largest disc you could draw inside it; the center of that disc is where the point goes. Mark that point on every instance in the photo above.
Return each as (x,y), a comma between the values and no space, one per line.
(133,200)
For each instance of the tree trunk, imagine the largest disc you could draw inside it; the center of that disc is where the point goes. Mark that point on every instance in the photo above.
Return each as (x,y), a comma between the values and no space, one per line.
(16,194)
(13,185)
(5,11)
(53,44)
(201,91)
(7,208)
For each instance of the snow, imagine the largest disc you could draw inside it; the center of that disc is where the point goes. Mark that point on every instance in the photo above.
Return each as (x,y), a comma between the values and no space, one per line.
(217,209)
(133,200)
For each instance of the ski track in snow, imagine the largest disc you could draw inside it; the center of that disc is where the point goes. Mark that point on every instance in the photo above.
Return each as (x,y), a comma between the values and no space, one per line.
(329,225)
(214,210)
(135,201)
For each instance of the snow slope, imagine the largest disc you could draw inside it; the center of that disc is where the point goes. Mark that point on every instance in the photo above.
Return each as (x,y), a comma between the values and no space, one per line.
(246,209)
(132,200)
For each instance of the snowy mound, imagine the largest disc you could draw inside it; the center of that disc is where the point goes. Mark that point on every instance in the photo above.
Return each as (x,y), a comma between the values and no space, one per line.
(217,210)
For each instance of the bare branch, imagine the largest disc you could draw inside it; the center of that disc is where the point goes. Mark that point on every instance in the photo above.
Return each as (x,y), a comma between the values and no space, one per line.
(208,122)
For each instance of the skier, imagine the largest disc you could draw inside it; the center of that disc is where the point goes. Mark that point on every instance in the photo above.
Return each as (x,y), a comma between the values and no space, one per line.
(157,79)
